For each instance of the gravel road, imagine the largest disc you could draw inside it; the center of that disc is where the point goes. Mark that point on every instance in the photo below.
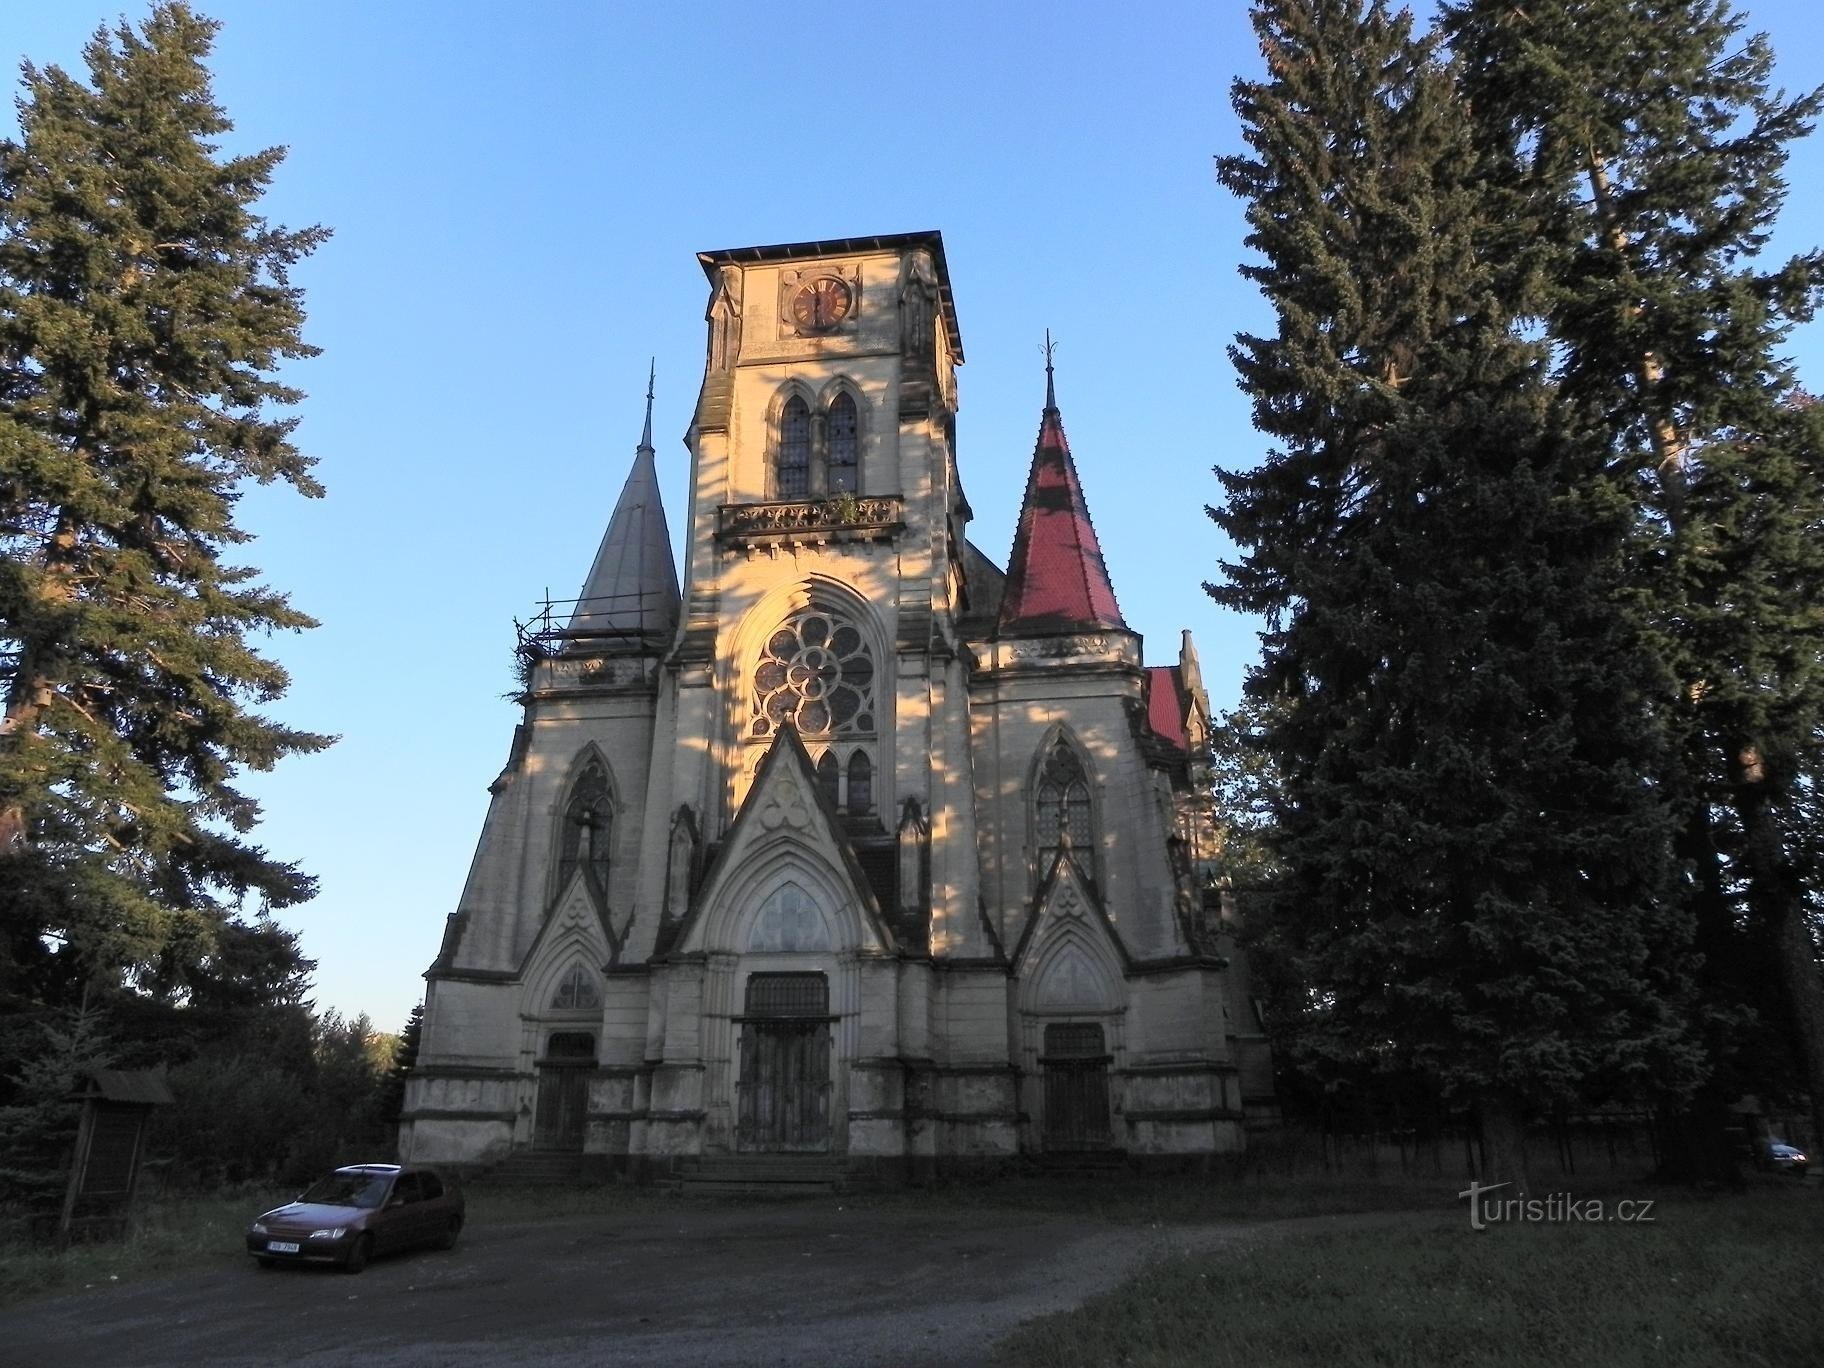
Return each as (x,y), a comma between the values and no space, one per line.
(803,1284)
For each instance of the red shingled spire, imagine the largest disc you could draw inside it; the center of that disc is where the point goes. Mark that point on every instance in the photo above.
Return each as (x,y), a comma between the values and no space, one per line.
(1056,580)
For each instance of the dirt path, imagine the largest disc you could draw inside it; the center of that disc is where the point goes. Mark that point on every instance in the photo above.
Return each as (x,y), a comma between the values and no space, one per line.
(792,1285)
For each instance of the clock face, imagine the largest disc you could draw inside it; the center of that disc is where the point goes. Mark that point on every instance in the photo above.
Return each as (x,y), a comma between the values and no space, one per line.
(822,304)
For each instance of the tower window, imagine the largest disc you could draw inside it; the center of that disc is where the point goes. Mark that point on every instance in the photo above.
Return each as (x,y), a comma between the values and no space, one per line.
(818,452)
(588,824)
(844,445)
(794,468)
(1062,810)
(829,777)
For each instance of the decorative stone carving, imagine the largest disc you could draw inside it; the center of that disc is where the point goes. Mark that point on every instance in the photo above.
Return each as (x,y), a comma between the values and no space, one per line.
(725,320)
(839,518)
(918,308)
(786,805)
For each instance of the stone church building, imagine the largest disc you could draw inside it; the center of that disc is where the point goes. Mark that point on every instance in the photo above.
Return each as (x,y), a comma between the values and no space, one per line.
(857,844)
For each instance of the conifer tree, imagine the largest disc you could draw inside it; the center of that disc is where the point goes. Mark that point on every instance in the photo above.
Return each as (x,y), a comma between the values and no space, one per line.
(1643,147)
(145,307)
(1473,877)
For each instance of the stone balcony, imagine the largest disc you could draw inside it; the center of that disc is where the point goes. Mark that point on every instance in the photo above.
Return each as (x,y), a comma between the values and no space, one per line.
(833,518)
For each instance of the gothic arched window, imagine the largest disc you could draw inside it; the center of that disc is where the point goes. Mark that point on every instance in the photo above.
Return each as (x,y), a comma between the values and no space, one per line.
(576,991)
(588,823)
(829,777)
(861,784)
(844,455)
(793,475)
(1062,809)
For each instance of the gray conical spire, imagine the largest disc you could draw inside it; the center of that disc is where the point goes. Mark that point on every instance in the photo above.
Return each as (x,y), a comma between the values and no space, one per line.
(632,589)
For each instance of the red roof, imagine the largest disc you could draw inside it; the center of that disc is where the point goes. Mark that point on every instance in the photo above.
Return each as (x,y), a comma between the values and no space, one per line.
(1056,579)
(1165,706)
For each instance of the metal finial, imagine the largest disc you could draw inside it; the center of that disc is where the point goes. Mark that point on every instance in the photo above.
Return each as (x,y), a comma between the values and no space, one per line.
(1051,397)
(651,373)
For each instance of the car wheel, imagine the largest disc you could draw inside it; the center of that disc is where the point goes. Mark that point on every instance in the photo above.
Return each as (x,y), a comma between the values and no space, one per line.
(359,1255)
(448,1239)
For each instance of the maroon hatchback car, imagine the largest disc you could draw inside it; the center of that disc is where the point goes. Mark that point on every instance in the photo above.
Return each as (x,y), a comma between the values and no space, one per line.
(349,1216)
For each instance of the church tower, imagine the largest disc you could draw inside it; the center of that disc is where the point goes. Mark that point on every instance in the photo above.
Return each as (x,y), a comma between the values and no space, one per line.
(856,846)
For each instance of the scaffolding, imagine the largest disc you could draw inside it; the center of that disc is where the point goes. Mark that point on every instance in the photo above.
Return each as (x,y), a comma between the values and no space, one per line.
(600,623)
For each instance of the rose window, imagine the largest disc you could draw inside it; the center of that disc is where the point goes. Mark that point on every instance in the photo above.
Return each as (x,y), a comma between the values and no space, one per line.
(816,673)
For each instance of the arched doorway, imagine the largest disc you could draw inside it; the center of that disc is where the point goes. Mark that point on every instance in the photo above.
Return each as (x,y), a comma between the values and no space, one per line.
(1074,1067)
(783,1096)
(562,1116)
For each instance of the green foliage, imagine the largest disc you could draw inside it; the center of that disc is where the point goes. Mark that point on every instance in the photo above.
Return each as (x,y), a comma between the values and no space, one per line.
(390,1100)
(145,307)
(38,1122)
(1640,149)
(1474,876)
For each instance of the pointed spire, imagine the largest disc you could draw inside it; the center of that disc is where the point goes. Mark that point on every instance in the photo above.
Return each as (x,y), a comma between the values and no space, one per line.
(1056,578)
(1051,393)
(652,371)
(632,589)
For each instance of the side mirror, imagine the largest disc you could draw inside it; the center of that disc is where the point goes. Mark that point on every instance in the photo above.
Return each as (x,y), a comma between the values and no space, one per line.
(392,1202)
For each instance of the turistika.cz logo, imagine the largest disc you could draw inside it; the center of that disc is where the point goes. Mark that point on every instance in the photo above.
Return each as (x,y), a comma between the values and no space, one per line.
(1485,1211)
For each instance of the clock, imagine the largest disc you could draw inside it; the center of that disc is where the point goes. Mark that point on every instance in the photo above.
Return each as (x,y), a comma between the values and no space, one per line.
(819,305)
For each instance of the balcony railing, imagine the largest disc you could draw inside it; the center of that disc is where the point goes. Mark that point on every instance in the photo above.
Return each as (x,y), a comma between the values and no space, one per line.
(836,517)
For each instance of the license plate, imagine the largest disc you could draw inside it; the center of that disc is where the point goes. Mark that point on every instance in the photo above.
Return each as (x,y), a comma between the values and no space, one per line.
(281,1246)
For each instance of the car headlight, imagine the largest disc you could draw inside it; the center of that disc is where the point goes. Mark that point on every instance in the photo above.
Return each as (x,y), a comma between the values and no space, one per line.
(259,1228)
(329,1233)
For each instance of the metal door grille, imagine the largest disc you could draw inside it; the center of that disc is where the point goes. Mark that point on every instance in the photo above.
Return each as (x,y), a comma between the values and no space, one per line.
(788,995)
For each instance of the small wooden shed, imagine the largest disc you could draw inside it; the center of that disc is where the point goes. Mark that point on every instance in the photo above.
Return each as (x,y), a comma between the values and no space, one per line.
(116,1104)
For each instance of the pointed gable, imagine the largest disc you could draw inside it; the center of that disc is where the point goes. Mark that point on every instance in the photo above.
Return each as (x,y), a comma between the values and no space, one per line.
(632,589)
(1056,579)
(787,835)
(1069,956)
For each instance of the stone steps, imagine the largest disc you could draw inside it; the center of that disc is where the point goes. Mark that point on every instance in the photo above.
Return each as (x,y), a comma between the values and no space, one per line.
(536,1168)
(760,1175)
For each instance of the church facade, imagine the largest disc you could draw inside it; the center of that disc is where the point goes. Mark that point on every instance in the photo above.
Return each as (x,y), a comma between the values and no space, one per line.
(855,844)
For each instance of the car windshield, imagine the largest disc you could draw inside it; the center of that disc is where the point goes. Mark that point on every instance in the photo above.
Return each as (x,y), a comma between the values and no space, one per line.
(349,1189)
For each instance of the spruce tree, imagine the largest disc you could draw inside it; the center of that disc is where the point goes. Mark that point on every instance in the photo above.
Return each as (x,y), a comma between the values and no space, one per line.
(145,307)
(1643,146)
(1474,879)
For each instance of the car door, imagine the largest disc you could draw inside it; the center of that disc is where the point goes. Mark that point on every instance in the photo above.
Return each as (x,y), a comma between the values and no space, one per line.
(402,1212)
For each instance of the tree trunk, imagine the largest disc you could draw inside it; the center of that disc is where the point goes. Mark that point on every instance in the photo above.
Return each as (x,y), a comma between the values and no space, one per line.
(1503,1140)
(1776,903)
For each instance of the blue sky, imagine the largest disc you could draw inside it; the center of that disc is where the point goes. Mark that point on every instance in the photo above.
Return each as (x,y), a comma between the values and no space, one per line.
(518,194)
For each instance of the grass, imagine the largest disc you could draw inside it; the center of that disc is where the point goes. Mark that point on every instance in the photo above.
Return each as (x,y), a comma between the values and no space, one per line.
(167,1235)
(1709,1282)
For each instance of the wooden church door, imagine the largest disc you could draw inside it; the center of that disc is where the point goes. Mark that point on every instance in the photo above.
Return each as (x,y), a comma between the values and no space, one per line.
(563,1091)
(783,1097)
(1075,1073)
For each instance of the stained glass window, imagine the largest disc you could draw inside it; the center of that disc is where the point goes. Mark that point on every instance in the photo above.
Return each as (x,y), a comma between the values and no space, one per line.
(794,468)
(1062,805)
(861,784)
(577,990)
(817,673)
(588,822)
(844,463)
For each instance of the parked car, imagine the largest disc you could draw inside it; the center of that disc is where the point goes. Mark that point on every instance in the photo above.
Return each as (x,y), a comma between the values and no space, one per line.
(348,1216)
(1787,1158)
